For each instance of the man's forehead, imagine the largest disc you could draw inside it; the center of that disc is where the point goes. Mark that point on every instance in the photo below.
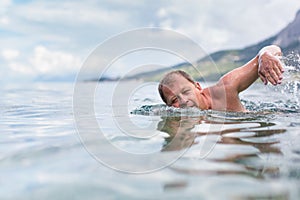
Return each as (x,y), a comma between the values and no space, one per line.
(175,78)
(175,85)
(168,90)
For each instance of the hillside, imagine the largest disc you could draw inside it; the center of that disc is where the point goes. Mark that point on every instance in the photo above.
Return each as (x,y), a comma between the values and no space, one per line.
(288,39)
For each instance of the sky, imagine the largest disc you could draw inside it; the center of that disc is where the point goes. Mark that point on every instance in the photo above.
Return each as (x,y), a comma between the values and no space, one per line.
(43,39)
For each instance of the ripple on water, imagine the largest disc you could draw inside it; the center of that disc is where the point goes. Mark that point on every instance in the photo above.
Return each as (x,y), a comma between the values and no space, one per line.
(232,153)
(222,143)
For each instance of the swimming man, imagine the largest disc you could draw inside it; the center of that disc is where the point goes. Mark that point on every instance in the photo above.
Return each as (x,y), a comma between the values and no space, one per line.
(178,89)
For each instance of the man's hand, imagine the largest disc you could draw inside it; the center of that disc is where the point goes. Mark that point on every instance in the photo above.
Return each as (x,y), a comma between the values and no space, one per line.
(269,66)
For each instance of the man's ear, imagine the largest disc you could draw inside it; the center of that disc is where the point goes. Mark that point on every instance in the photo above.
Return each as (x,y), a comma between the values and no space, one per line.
(198,86)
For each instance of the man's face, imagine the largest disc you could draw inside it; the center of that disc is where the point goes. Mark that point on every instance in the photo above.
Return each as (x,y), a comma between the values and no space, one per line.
(182,93)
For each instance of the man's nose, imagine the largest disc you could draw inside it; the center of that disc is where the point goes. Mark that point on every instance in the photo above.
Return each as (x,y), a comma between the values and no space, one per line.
(182,101)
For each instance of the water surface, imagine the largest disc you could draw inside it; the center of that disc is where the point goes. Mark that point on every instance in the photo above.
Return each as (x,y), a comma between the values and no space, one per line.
(219,155)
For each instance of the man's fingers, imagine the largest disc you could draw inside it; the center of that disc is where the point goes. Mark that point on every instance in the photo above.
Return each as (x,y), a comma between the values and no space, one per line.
(279,64)
(276,72)
(278,68)
(271,79)
(273,76)
(263,78)
(272,72)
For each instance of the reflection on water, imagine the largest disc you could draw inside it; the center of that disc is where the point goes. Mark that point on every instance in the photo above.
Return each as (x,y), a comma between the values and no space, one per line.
(232,146)
(187,131)
(228,147)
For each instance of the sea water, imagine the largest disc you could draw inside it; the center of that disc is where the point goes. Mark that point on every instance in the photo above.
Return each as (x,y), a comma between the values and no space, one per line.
(180,153)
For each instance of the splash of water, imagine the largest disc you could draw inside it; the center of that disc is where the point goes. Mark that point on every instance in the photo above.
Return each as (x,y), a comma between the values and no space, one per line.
(167,111)
(291,77)
(163,110)
(288,106)
(285,96)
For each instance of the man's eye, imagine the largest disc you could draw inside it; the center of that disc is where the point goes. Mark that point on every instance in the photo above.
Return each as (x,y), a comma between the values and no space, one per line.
(186,91)
(174,101)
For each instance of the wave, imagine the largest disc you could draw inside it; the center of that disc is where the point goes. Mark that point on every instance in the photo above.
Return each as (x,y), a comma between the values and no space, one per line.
(254,108)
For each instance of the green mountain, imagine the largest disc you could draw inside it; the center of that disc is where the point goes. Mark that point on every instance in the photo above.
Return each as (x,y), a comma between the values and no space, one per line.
(288,39)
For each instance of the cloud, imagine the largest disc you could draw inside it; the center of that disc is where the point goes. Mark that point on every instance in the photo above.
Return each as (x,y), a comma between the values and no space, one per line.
(217,24)
(53,63)
(41,64)
(74,26)
(4,20)
(67,16)
(71,13)
(10,54)
(4,4)
(52,37)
